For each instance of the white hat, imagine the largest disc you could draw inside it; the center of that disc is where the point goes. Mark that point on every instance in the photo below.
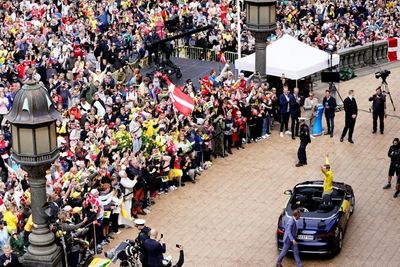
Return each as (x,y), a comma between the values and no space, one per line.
(140,222)
(67,208)
(94,191)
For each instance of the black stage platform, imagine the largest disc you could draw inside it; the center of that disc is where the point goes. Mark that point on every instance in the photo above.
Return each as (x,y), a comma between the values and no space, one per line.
(191,69)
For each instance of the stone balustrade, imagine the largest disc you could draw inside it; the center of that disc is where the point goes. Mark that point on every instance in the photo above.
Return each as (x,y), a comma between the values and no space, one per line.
(362,56)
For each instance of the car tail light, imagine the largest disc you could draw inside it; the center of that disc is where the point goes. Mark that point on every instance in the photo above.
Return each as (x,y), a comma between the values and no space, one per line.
(280,231)
(329,234)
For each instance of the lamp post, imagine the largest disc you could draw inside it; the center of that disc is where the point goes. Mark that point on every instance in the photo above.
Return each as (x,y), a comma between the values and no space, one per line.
(261,20)
(34,147)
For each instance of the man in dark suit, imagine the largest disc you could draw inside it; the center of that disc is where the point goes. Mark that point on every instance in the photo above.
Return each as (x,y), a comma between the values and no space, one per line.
(304,141)
(9,259)
(289,239)
(154,249)
(329,103)
(296,101)
(350,110)
(378,110)
(284,103)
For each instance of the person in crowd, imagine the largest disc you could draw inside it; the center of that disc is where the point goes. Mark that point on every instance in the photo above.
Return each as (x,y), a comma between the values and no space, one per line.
(228,132)
(351,110)
(394,155)
(284,103)
(4,236)
(9,258)
(296,101)
(310,107)
(304,141)
(329,103)
(289,239)
(69,228)
(378,110)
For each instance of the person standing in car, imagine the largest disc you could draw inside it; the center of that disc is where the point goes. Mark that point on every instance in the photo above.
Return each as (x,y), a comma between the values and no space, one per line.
(289,239)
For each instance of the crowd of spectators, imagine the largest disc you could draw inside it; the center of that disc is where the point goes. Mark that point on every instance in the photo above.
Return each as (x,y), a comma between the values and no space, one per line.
(122,143)
(341,24)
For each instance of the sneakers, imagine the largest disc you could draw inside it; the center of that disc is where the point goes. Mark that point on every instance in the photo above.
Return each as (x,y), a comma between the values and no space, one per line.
(288,132)
(281,134)
(387,186)
(396,194)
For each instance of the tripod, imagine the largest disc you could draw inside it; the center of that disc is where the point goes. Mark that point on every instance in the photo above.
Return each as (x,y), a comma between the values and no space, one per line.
(385,90)
(334,91)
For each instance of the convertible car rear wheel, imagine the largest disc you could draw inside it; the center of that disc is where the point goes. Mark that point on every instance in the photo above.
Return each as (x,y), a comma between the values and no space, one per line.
(338,242)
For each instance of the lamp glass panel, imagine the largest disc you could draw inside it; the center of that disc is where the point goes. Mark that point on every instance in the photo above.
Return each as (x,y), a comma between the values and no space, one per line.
(272,13)
(264,15)
(15,138)
(42,140)
(253,15)
(53,136)
(26,141)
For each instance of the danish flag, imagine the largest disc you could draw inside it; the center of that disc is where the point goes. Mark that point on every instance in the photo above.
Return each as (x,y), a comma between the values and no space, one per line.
(393,49)
(182,102)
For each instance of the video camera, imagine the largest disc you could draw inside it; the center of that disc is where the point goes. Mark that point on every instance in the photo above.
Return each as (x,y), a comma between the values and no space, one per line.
(382,74)
(127,252)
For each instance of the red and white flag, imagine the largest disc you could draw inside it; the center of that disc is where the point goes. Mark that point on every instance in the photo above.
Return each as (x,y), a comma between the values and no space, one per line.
(182,102)
(393,49)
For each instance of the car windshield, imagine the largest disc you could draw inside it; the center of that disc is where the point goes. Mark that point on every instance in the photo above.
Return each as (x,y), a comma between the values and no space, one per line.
(309,199)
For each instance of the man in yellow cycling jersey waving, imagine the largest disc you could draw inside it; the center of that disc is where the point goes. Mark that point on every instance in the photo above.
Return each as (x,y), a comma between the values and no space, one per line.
(328,176)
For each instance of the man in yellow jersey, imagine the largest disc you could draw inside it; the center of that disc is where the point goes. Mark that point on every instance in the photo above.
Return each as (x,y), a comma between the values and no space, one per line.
(328,176)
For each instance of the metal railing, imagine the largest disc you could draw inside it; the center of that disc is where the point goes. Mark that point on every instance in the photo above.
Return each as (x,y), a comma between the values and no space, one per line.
(199,53)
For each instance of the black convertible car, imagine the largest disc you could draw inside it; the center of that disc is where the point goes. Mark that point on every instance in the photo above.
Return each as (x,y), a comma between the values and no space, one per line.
(323,220)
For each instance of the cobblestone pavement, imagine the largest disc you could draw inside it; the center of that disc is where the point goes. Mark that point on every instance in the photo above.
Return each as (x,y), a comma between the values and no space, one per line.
(229,217)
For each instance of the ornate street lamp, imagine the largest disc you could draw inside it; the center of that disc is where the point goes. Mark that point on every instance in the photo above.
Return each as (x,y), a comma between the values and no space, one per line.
(261,20)
(34,147)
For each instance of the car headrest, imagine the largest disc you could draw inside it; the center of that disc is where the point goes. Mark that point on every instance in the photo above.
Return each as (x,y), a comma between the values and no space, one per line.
(301,198)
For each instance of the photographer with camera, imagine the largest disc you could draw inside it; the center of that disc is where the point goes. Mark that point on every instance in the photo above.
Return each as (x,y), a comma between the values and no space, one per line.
(143,235)
(378,110)
(394,169)
(155,248)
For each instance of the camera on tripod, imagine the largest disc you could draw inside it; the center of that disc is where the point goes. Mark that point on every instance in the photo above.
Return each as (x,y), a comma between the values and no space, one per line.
(383,74)
(127,252)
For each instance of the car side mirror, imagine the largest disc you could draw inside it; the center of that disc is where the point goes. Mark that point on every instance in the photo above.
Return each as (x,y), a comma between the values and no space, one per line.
(288,192)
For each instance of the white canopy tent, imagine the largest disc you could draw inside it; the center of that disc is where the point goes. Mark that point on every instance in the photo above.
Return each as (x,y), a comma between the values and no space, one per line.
(290,57)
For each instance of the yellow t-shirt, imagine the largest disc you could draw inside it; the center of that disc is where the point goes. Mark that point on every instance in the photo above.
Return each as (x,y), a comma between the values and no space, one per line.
(11,221)
(328,181)
(29,224)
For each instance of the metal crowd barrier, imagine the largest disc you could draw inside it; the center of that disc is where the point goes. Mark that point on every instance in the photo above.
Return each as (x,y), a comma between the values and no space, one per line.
(199,53)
